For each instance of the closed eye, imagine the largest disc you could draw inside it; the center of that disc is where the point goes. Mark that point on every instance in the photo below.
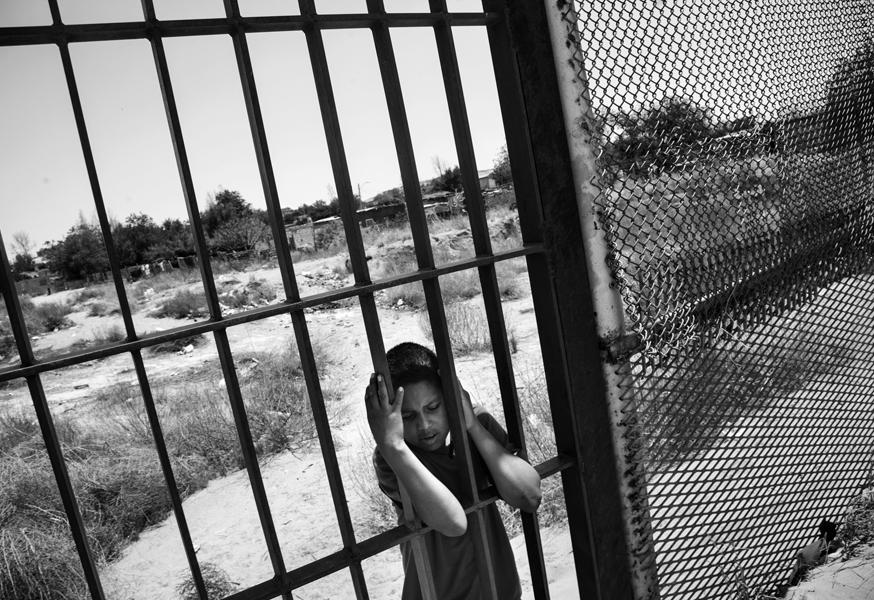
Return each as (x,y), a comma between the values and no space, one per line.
(433,406)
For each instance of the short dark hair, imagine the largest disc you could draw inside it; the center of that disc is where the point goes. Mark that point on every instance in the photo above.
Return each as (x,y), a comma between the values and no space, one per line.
(409,362)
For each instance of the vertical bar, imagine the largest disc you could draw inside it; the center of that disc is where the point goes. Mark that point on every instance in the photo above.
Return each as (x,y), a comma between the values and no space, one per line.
(618,466)
(342,182)
(247,447)
(530,221)
(47,427)
(594,494)
(482,246)
(124,306)
(271,195)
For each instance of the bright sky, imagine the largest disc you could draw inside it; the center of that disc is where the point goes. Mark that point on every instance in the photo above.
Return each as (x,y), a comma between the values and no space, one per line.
(45,185)
(764,59)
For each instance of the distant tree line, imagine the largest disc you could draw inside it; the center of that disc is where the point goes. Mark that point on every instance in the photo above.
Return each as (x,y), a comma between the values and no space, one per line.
(229,223)
(674,131)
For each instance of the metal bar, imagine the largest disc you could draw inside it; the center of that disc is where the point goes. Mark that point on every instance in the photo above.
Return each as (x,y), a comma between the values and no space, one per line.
(421,241)
(47,427)
(530,219)
(355,244)
(220,335)
(283,253)
(250,458)
(98,32)
(563,308)
(482,245)
(254,315)
(614,458)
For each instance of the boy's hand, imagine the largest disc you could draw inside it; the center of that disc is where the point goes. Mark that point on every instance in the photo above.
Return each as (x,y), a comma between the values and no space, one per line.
(384,418)
(467,407)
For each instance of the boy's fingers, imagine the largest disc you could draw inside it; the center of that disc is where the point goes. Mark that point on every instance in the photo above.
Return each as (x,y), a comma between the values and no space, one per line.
(383,393)
(399,400)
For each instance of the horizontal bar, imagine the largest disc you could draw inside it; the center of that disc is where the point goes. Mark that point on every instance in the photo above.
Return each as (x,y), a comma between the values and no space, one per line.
(101,32)
(263,312)
(331,563)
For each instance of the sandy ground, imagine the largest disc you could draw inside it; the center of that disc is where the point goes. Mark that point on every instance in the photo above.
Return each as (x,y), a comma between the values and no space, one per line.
(222,518)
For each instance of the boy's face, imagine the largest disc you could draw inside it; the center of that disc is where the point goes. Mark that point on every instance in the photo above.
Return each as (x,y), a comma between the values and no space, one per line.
(426,424)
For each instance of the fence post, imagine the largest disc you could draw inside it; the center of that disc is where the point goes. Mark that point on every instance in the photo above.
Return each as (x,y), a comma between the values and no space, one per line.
(619,551)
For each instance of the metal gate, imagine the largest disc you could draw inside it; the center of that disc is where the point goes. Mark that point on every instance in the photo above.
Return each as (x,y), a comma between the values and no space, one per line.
(522,60)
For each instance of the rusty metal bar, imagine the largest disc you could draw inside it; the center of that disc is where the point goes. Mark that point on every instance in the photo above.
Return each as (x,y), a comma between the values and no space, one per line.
(563,307)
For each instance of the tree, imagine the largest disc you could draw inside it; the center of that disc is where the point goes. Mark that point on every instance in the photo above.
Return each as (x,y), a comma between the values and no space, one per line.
(448,181)
(80,254)
(849,101)
(658,137)
(23,247)
(240,234)
(501,172)
(226,206)
(136,239)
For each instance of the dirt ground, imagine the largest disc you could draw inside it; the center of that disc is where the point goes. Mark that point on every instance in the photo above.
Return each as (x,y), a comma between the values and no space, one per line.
(224,524)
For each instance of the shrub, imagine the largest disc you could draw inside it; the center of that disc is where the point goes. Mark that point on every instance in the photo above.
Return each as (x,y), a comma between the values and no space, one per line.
(48,316)
(89,293)
(102,309)
(216,581)
(468,329)
(110,334)
(178,345)
(255,292)
(183,305)
(40,563)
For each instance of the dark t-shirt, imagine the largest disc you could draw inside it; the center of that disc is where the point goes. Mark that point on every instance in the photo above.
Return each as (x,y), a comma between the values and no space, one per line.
(453,559)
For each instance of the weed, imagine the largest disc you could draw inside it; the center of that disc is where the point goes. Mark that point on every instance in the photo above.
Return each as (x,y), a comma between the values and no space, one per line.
(89,293)
(184,304)
(40,563)
(102,309)
(254,293)
(178,345)
(108,335)
(857,529)
(468,329)
(216,581)
(378,513)
(47,317)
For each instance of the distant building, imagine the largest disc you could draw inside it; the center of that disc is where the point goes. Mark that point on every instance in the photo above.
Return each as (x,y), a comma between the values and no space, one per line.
(486,181)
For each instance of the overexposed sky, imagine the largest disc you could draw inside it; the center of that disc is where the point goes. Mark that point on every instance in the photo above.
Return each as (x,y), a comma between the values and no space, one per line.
(45,185)
(748,57)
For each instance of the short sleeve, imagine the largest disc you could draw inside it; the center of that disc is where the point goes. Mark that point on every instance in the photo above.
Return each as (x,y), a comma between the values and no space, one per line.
(494,428)
(386,478)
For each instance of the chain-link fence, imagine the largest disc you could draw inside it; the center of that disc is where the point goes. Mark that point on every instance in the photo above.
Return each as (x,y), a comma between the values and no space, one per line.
(735,191)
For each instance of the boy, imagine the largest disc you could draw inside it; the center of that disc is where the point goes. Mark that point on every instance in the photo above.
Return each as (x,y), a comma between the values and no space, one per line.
(411,448)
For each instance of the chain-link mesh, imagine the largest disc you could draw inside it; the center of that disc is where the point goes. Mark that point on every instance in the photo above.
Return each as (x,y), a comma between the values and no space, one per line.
(735,145)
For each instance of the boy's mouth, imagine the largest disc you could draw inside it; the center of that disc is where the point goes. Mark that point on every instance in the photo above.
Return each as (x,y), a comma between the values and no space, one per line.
(430,438)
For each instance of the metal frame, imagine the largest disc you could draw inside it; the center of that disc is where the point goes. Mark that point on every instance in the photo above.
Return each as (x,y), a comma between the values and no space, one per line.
(522,57)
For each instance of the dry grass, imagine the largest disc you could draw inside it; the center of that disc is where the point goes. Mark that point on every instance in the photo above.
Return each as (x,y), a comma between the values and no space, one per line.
(468,329)
(115,472)
(184,304)
(217,582)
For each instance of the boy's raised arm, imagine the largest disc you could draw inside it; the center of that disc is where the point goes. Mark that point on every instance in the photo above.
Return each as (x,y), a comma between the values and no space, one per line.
(433,501)
(517,481)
